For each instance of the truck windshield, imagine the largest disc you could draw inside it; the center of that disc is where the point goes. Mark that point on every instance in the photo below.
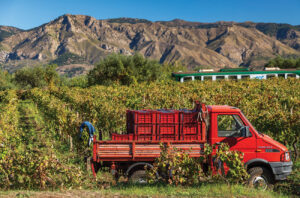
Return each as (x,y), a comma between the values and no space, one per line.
(229,125)
(238,120)
(249,122)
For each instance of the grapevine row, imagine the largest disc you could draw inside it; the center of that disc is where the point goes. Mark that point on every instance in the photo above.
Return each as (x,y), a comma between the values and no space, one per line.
(273,106)
(9,116)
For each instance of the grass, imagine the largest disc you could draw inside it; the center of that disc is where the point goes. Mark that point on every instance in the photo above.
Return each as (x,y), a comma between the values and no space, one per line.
(206,190)
(157,190)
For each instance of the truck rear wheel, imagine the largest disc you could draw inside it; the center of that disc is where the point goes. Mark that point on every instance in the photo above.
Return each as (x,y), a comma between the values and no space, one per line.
(260,177)
(138,177)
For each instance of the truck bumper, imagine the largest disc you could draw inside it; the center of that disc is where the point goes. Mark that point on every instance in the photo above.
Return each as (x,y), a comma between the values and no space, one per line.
(281,169)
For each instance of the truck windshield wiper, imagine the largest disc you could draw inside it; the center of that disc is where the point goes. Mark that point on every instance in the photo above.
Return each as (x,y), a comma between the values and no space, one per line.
(260,133)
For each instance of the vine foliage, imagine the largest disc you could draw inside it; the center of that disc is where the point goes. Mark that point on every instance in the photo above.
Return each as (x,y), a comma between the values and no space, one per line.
(175,166)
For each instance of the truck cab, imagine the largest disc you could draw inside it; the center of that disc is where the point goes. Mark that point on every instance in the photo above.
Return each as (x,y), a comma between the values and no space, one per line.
(266,159)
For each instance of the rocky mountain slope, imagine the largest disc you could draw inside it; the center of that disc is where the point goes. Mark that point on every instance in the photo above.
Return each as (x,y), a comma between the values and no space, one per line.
(82,39)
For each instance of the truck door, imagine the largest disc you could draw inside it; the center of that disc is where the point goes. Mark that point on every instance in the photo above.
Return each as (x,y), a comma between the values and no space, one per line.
(228,129)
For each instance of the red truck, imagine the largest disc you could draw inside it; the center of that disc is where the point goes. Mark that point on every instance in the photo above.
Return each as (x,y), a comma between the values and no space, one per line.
(266,160)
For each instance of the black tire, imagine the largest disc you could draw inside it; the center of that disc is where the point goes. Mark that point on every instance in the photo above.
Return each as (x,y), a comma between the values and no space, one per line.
(138,177)
(260,177)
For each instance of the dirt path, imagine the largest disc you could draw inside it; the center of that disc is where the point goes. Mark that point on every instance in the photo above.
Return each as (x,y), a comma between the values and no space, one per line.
(62,194)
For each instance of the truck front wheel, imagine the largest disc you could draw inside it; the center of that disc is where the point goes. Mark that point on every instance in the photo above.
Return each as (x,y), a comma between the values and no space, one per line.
(260,177)
(138,176)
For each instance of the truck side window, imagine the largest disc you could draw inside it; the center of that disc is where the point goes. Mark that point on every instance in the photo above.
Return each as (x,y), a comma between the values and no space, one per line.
(229,126)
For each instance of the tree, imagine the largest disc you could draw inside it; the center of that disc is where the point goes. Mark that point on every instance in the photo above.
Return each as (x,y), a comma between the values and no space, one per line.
(5,80)
(125,70)
(77,81)
(284,62)
(37,76)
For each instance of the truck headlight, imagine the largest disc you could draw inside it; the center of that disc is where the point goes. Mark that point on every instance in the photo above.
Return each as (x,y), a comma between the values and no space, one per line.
(287,156)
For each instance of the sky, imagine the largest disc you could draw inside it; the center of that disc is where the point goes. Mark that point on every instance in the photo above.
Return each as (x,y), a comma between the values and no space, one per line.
(27,14)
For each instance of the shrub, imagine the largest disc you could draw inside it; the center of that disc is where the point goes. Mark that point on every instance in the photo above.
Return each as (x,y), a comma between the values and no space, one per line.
(176,167)
(234,161)
(37,76)
(5,81)
(77,81)
(284,62)
(125,70)
(33,169)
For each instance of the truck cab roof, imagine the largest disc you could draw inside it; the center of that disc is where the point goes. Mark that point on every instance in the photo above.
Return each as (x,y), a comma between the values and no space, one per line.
(222,108)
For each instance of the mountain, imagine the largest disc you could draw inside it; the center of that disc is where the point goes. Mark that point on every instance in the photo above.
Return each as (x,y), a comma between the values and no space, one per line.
(287,34)
(84,40)
(6,31)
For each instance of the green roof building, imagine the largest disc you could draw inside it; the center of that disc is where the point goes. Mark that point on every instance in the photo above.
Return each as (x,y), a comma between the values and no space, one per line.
(236,74)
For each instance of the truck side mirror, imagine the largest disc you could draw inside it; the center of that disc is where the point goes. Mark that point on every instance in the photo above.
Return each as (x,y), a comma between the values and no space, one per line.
(246,132)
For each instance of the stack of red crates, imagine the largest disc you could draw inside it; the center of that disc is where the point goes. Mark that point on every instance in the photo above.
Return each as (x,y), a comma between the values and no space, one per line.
(142,124)
(167,125)
(163,125)
(190,126)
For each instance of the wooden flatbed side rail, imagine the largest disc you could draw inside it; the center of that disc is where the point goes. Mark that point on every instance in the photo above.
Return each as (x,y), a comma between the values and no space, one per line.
(141,150)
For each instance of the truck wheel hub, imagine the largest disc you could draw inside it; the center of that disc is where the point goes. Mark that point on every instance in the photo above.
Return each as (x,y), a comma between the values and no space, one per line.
(260,182)
(141,181)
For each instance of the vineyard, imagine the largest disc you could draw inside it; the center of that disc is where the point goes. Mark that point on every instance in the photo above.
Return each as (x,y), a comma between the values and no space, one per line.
(39,142)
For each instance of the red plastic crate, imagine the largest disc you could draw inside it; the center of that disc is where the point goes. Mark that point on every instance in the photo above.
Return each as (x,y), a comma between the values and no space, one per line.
(141,122)
(141,116)
(191,137)
(144,137)
(144,129)
(124,137)
(167,129)
(167,116)
(167,137)
(190,129)
(188,117)
(189,125)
